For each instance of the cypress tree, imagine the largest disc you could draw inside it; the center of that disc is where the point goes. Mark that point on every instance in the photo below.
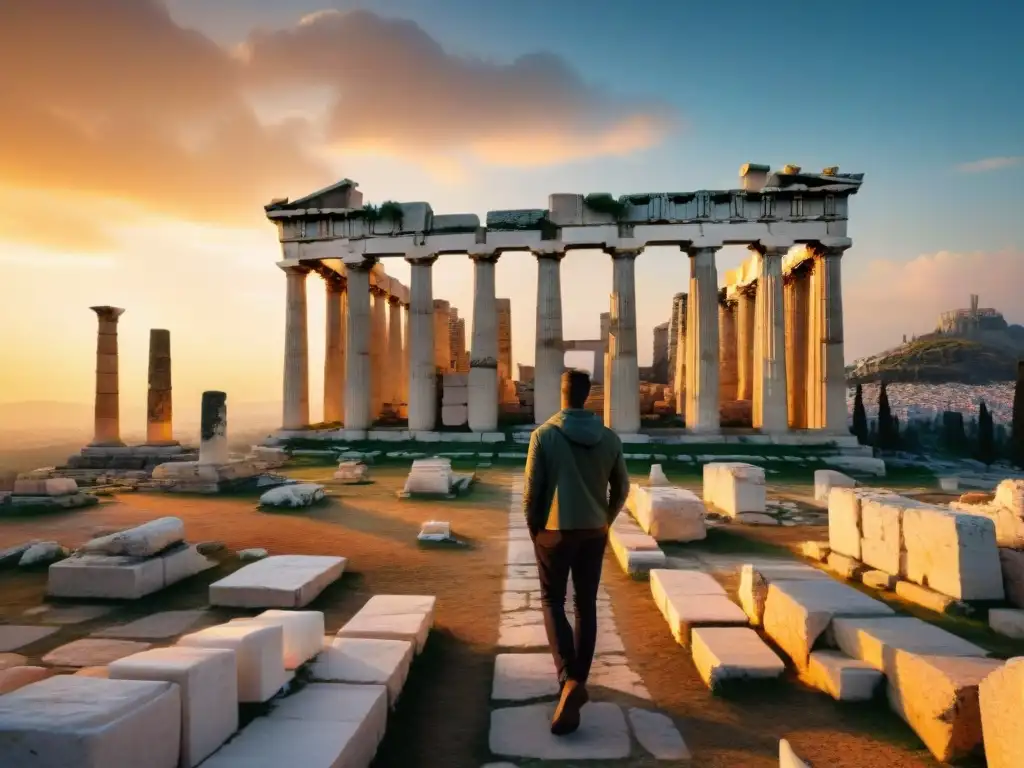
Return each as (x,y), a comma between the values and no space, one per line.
(1017,429)
(860,417)
(986,435)
(885,436)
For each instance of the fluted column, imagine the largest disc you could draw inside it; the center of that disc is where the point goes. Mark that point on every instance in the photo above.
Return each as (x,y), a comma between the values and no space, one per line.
(378,350)
(393,377)
(159,428)
(679,376)
(358,381)
(213,429)
(296,351)
(745,335)
(483,362)
(422,373)
(334,349)
(107,408)
(796,300)
(770,411)
(549,351)
(814,375)
(833,354)
(727,352)
(405,357)
(622,391)
(702,413)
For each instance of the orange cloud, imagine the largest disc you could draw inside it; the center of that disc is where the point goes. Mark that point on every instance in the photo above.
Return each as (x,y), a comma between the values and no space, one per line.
(112,99)
(884,299)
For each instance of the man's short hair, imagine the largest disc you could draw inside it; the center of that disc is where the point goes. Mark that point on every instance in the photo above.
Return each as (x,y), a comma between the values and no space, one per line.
(575,388)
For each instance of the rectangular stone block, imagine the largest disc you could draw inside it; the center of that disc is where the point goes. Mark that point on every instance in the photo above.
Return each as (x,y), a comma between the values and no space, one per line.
(454,415)
(259,652)
(668,584)
(105,576)
(687,612)
(635,555)
(1008,622)
(280,581)
(385,619)
(882,525)
(827,479)
(955,554)
(90,722)
(365,662)
(725,654)
(844,522)
(1011,562)
(937,696)
(842,678)
(268,742)
(366,706)
(303,633)
(182,562)
(796,613)
(1001,698)
(208,683)
(142,541)
(734,487)
(668,513)
(50,486)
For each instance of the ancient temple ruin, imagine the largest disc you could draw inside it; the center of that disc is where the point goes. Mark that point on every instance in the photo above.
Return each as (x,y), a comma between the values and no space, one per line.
(773,336)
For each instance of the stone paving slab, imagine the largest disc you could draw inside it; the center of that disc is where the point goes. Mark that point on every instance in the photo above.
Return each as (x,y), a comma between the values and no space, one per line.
(270,741)
(72,614)
(522,585)
(521,553)
(684,613)
(361,661)
(414,627)
(612,672)
(658,735)
(874,640)
(526,732)
(90,652)
(842,678)
(14,636)
(157,626)
(723,654)
(523,676)
(525,636)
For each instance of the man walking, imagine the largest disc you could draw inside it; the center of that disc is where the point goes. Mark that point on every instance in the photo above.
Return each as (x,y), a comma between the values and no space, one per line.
(575,485)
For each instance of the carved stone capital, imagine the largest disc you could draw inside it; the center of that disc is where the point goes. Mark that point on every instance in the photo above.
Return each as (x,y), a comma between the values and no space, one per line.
(489,255)
(108,314)
(552,252)
(421,257)
(630,252)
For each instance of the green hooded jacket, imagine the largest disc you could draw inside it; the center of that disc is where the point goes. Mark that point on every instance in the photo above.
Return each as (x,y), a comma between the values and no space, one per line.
(575,474)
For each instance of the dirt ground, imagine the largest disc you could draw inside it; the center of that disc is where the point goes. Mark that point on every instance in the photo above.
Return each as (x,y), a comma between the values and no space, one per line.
(442,718)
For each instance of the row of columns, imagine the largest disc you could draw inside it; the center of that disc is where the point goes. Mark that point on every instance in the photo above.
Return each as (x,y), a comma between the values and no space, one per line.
(741,348)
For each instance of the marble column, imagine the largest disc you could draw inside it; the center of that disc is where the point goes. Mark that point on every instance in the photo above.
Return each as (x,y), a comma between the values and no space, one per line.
(358,381)
(679,376)
(107,410)
(623,389)
(334,350)
(405,357)
(770,411)
(213,429)
(702,413)
(422,372)
(796,298)
(549,351)
(296,351)
(745,334)
(483,361)
(833,353)
(727,353)
(393,377)
(378,350)
(159,429)
(814,368)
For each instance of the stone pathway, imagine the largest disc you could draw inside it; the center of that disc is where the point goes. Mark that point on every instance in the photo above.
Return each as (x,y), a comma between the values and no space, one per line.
(617,724)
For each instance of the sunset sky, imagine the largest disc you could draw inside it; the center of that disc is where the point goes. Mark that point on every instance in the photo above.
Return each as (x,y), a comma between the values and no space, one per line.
(139,141)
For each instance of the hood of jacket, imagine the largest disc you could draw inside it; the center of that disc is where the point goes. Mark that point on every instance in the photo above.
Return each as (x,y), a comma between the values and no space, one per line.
(579,426)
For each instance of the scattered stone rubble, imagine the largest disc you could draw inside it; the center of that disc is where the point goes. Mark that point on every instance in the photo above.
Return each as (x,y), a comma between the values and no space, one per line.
(350,471)
(435,477)
(44,493)
(734,487)
(668,513)
(293,495)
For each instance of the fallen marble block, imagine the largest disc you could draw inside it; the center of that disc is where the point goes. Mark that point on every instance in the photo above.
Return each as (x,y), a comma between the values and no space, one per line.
(259,655)
(668,513)
(53,486)
(827,479)
(726,654)
(687,612)
(393,617)
(882,545)
(293,496)
(657,476)
(1005,510)
(352,472)
(303,633)
(753,589)
(841,677)
(42,553)
(796,613)
(208,682)
(844,519)
(734,487)
(669,584)
(195,477)
(90,722)
(937,696)
(433,530)
(1002,712)
(123,577)
(142,541)
(637,552)
(281,581)
(364,661)
(67,501)
(430,476)
(952,553)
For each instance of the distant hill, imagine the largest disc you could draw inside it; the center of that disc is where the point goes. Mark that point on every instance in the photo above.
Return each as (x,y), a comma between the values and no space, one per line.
(940,360)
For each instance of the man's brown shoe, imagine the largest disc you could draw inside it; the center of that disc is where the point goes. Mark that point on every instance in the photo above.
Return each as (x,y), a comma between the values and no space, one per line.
(567,714)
